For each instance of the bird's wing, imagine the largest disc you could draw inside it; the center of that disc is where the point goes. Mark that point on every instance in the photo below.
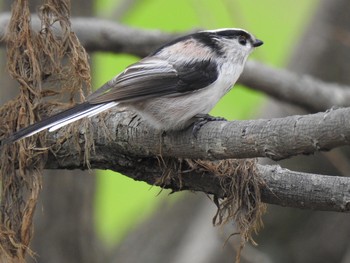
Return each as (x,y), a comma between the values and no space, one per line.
(153,77)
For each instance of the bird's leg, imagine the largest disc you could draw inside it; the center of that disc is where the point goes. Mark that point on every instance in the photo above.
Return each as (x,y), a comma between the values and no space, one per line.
(201,119)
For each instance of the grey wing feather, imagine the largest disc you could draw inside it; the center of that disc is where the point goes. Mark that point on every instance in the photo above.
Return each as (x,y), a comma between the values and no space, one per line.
(153,77)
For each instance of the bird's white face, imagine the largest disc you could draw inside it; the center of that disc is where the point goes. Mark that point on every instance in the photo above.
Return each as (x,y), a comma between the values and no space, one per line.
(235,52)
(234,44)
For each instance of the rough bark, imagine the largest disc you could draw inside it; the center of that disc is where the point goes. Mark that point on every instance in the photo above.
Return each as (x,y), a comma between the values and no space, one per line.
(276,138)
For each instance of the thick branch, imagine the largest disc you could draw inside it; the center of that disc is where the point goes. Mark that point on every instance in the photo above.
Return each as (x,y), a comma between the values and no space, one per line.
(304,190)
(273,138)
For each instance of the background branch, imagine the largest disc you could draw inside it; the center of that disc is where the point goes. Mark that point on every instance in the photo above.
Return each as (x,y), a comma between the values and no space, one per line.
(104,35)
(98,34)
(305,91)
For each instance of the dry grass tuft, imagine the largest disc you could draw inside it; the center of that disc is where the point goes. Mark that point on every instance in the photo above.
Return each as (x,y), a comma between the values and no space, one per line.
(240,198)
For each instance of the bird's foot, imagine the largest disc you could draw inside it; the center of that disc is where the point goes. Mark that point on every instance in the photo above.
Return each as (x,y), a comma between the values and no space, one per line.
(202,119)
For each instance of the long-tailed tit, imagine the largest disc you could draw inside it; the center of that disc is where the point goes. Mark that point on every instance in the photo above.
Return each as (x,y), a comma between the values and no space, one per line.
(179,81)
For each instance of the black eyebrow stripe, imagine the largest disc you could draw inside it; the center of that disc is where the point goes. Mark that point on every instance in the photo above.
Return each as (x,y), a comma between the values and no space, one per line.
(233,33)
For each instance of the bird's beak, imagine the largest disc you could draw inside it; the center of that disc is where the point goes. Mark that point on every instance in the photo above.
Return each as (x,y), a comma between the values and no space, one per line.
(257,43)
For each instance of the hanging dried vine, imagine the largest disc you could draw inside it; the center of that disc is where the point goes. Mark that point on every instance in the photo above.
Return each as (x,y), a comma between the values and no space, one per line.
(48,64)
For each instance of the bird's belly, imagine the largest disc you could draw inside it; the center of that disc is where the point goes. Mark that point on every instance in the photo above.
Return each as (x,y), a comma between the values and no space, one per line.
(176,113)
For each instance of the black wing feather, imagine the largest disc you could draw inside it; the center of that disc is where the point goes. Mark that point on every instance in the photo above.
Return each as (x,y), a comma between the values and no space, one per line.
(195,76)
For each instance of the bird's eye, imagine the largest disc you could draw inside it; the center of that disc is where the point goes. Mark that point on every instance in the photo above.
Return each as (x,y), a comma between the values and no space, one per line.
(242,40)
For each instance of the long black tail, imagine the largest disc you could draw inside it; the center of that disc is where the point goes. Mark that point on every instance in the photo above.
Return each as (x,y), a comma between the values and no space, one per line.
(61,119)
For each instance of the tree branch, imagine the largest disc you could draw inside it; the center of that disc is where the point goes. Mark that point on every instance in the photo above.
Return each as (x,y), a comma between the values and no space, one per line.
(276,139)
(131,148)
(282,187)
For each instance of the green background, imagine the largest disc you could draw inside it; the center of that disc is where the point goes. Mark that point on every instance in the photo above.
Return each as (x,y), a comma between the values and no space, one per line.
(122,203)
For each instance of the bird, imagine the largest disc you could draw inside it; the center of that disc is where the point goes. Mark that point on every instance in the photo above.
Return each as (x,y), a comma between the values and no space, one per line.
(170,89)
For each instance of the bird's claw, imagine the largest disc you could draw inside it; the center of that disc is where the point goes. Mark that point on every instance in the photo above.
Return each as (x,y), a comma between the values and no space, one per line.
(202,119)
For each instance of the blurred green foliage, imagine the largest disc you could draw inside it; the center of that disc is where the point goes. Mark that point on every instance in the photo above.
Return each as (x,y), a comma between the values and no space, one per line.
(121,202)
